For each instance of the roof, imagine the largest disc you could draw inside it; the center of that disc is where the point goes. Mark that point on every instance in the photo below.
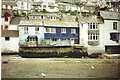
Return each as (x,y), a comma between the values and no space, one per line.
(36,3)
(31,22)
(90,19)
(60,23)
(38,13)
(8,11)
(9,3)
(110,15)
(49,23)
(10,33)
(16,20)
(68,18)
(52,4)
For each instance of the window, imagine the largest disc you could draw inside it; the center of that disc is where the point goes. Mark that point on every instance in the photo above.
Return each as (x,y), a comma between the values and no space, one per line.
(33,17)
(114,25)
(44,6)
(47,30)
(93,26)
(1,27)
(93,36)
(63,30)
(52,18)
(6,19)
(64,40)
(7,38)
(6,27)
(41,17)
(53,30)
(51,7)
(22,3)
(114,36)
(73,31)
(25,29)
(54,40)
(36,29)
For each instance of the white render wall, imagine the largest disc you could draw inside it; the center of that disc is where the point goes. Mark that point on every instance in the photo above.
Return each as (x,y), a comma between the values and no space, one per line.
(84,40)
(13,27)
(108,28)
(10,46)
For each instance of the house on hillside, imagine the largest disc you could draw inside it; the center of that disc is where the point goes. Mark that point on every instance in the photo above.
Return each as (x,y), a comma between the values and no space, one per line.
(44,6)
(9,5)
(67,7)
(6,17)
(39,33)
(44,16)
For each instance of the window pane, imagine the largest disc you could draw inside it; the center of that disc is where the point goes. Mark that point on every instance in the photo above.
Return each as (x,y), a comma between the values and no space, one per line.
(53,30)
(7,38)
(48,30)
(115,25)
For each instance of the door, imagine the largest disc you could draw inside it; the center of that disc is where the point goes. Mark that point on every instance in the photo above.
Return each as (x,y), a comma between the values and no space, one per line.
(72,41)
(32,41)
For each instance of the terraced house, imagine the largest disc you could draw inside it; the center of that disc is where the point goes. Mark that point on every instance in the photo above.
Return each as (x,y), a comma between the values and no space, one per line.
(46,33)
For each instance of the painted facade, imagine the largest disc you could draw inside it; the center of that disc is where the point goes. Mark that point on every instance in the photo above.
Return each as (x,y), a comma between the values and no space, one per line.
(46,33)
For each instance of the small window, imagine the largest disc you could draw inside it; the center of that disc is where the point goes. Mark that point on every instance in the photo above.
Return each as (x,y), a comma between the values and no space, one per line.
(36,29)
(63,30)
(54,40)
(47,30)
(6,28)
(25,29)
(33,17)
(114,25)
(6,19)
(64,40)
(44,6)
(51,7)
(73,31)
(53,30)
(7,38)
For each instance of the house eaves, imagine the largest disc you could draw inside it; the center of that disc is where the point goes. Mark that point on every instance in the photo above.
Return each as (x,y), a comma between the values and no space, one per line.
(31,22)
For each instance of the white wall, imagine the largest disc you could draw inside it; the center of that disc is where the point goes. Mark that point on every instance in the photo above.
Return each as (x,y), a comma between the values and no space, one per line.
(13,27)
(7,46)
(84,40)
(108,28)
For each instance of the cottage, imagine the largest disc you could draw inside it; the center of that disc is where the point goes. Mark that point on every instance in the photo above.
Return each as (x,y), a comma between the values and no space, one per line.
(9,40)
(111,31)
(37,32)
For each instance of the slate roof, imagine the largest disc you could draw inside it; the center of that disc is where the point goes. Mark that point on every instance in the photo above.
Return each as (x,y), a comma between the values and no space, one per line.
(60,23)
(68,18)
(110,15)
(9,3)
(16,20)
(49,23)
(90,19)
(10,33)
(31,22)
(38,13)
(36,3)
